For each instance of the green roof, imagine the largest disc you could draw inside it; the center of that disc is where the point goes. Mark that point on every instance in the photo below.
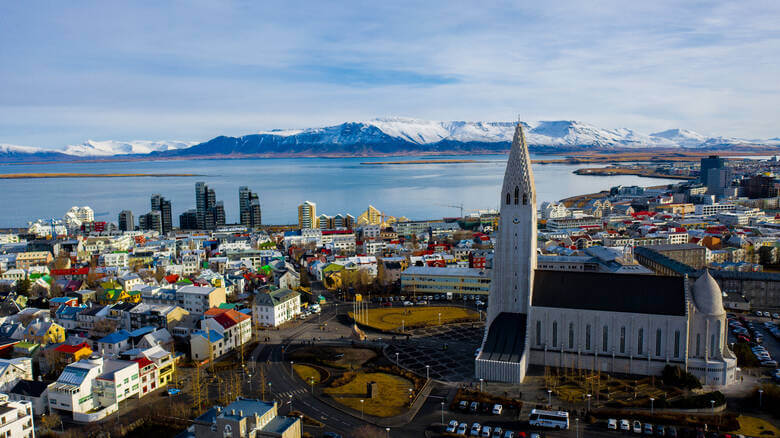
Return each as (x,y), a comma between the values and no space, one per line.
(333,267)
(28,346)
(227,306)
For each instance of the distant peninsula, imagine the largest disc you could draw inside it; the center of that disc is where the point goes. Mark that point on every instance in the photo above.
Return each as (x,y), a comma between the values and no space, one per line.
(91,175)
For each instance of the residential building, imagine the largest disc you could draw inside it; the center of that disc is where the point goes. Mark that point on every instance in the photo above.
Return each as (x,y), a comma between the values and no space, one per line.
(246,418)
(126,220)
(690,254)
(43,331)
(25,260)
(276,307)
(188,220)
(198,299)
(249,208)
(207,345)
(163,205)
(307,215)
(151,221)
(13,370)
(34,391)
(16,418)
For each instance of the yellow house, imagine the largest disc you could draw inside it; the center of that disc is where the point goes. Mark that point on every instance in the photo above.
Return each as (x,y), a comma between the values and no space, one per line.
(44,332)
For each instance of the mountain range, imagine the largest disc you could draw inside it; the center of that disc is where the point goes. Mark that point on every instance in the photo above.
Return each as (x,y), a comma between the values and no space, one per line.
(390,136)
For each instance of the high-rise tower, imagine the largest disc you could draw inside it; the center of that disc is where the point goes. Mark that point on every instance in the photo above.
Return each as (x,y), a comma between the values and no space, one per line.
(504,354)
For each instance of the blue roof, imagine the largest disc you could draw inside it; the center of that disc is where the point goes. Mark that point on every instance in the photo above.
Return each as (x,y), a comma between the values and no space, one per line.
(116,337)
(279,425)
(142,331)
(61,299)
(213,334)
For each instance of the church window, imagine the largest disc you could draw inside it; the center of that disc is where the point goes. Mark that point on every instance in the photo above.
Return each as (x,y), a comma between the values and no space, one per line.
(517,194)
(571,335)
(587,337)
(555,334)
(525,198)
(658,342)
(698,344)
(538,332)
(605,339)
(677,343)
(507,198)
(622,339)
(640,342)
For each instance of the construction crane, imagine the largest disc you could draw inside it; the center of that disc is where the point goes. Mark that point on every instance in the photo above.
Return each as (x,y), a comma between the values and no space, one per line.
(458,206)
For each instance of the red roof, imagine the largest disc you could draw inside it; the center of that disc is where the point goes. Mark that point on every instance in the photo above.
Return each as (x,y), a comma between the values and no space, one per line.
(75,271)
(171,279)
(72,349)
(143,362)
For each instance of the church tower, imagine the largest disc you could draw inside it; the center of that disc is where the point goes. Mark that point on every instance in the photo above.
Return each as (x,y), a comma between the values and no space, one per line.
(504,354)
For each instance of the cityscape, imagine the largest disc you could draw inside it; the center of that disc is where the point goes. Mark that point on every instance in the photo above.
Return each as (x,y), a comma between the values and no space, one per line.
(291,258)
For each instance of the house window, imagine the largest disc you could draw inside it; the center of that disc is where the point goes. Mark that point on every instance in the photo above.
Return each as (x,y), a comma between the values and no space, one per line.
(555,334)
(677,343)
(622,339)
(640,342)
(587,337)
(605,339)
(658,342)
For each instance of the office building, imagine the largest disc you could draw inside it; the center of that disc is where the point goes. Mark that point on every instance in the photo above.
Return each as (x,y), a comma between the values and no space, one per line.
(711,162)
(205,200)
(126,221)
(249,208)
(307,215)
(163,205)
(188,220)
(456,283)
(151,221)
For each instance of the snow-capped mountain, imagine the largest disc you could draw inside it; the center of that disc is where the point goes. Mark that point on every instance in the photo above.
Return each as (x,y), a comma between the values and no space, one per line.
(92,148)
(393,136)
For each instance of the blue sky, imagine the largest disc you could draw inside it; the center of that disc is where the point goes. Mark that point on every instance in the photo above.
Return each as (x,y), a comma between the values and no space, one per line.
(192,70)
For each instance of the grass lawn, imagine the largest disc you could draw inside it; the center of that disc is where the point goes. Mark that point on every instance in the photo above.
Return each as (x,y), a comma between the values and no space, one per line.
(346,358)
(392,399)
(389,318)
(306,373)
(752,426)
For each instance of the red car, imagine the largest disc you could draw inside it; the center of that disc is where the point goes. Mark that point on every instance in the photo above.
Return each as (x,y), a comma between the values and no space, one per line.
(387,304)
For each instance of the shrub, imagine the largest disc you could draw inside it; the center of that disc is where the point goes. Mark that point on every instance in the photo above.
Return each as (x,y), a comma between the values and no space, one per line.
(676,376)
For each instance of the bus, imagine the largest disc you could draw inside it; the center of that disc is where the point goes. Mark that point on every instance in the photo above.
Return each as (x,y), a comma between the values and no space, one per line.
(549,419)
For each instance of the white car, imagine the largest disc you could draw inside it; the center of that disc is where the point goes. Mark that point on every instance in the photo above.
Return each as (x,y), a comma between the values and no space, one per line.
(637,426)
(612,424)
(408,304)
(452,427)
(475,429)
(462,428)
(625,425)
(486,431)
(497,409)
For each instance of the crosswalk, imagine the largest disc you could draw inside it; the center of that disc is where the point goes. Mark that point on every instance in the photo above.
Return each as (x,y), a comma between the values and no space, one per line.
(293,393)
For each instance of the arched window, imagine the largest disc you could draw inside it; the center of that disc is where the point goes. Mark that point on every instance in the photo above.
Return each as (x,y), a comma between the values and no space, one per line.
(525,198)
(555,334)
(571,335)
(658,342)
(640,342)
(517,194)
(622,339)
(587,337)
(508,199)
(605,339)
(677,343)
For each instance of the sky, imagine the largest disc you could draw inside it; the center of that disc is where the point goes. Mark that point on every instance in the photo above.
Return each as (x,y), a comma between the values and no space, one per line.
(193,70)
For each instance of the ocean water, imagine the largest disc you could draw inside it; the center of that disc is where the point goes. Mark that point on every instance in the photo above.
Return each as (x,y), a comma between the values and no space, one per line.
(336,185)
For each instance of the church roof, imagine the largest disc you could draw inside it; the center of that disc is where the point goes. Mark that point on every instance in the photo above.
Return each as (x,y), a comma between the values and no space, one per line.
(627,293)
(707,295)
(506,338)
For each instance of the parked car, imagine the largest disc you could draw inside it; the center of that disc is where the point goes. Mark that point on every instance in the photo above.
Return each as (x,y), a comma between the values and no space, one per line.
(497,432)
(475,428)
(474,406)
(462,428)
(660,430)
(452,426)
(331,435)
(408,303)
(648,429)
(776,316)
(637,426)
(497,409)
(612,424)
(485,431)
(387,304)
(625,425)
(510,434)
(672,432)
(463,405)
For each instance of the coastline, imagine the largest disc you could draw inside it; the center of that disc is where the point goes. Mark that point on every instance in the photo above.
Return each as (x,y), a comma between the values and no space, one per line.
(92,175)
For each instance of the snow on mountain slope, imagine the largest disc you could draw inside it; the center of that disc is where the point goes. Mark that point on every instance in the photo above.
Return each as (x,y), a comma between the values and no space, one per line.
(92,148)
(15,149)
(682,137)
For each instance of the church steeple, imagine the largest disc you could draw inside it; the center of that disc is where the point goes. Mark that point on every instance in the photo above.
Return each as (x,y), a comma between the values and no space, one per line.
(519,176)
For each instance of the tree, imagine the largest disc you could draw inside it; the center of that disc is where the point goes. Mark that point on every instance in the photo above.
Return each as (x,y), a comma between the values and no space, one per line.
(51,421)
(23,287)
(104,327)
(305,281)
(55,361)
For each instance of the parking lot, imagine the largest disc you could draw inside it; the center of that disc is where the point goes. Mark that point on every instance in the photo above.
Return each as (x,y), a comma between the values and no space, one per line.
(755,330)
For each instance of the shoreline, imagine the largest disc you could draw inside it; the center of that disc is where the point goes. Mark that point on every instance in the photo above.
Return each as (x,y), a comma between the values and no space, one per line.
(92,175)
(614,171)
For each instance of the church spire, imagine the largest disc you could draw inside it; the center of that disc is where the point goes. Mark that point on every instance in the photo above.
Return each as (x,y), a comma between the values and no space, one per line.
(519,186)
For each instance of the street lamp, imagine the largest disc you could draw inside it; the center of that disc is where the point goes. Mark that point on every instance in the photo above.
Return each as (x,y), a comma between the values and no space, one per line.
(361,408)
(270,393)
(442,412)
(712,405)
(577,422)
(396,359)
(427,371)
(651,405)
(290,403)
(549,397)
(480,384)
(760,398)
(589,396)
(387,429)
(439,318)
(291,368)
(250,381)
(311,380)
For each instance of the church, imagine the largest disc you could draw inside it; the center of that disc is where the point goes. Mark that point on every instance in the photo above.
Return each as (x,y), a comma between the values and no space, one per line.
(616,323)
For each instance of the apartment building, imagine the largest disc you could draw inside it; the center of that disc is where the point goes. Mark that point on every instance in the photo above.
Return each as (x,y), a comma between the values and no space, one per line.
(424,280)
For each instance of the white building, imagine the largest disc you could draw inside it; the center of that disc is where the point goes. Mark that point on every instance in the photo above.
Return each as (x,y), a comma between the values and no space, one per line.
(274,308)
(13,370)
(712,209)
(554,210)
(619,323)
(115,259)
(16,418)
(199,299)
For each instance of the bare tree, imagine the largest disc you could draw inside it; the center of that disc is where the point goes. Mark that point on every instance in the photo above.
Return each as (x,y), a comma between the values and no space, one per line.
(51,421)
